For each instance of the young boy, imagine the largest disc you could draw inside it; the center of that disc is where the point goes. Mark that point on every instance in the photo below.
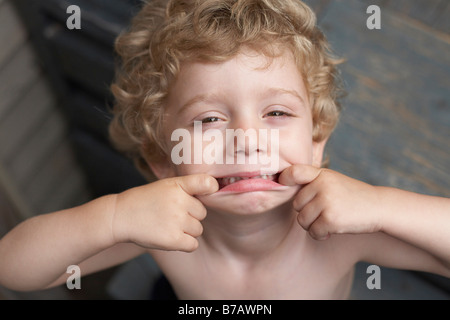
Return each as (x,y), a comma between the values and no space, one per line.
(230,229)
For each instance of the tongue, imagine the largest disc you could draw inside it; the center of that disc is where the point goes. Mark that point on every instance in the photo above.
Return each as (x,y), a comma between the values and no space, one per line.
(223,182)
(249,185)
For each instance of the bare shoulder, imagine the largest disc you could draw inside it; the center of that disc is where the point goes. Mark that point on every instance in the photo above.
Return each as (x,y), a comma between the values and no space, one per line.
(377,248)
(343,249)
(384,250)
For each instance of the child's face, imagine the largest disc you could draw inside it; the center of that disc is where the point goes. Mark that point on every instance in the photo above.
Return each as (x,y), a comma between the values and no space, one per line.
(243,93)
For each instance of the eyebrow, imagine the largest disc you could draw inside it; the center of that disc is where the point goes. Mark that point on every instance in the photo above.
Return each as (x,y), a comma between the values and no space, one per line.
(267,93)
(281,91)
(209,97)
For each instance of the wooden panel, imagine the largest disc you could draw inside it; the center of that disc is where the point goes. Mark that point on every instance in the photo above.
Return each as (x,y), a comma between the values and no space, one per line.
(24,118)
(395,126)
(433,13)
(396,122)
(102,20)
(318,6)
(9,214)
(37,149)
(19,73)
(443,21)
(39,171)
(73,192)
(12,32)
(83,61)
(57,184)
(426,11)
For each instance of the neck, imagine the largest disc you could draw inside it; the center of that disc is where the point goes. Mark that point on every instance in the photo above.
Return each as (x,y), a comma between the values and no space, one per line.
(248,238)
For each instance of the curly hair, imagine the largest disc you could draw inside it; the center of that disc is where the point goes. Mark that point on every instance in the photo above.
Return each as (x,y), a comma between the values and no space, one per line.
(164,34)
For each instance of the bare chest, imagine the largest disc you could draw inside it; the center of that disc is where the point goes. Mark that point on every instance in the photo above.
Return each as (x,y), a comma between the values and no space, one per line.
(289,278)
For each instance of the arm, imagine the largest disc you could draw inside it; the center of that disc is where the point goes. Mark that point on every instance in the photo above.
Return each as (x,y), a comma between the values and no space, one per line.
(110,257)
(162,215)
(40,249)
(421,220)
(404,229)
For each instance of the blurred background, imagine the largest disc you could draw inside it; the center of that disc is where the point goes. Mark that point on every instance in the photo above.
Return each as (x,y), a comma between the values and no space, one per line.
(54,100)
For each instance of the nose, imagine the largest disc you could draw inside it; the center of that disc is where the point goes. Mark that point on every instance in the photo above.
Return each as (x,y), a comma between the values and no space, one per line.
(245,140)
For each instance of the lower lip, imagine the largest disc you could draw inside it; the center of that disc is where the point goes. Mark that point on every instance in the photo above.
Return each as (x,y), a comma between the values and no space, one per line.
(251,185)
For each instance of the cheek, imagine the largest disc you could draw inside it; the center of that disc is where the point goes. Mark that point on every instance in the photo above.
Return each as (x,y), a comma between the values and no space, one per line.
(296,146)
(188,169)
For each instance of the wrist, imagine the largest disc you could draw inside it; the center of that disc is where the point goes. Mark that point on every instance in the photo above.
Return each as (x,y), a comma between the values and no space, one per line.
(385,208)
(118,208)
(101,213)
(114,216)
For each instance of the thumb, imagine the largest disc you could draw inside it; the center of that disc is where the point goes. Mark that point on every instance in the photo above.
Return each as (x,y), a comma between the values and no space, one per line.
(298,174)
(198,184)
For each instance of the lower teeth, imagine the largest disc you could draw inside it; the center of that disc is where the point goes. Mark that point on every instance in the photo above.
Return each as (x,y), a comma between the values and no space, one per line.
(228,181)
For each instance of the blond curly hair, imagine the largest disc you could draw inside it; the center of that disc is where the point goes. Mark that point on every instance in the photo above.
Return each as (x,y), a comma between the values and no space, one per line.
(164,34)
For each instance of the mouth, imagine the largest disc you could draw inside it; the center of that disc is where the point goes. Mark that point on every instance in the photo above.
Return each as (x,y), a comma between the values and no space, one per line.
(247,182)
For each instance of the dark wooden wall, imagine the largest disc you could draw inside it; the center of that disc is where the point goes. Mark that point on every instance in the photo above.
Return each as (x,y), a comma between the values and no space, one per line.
(80,65)
(395,125)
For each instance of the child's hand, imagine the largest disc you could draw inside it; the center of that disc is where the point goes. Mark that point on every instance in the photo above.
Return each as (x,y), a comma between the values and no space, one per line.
(164,214)
(331,203)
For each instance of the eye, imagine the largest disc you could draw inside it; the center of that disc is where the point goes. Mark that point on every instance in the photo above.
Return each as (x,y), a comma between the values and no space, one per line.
(210,119)
(277,113)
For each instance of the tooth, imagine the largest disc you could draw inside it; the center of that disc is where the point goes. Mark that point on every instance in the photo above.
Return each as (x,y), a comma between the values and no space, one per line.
(230,180)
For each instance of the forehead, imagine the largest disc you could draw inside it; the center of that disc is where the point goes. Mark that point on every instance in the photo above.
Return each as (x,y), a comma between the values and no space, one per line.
(248,74)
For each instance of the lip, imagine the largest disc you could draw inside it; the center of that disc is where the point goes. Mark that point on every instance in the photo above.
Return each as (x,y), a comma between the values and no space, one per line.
(248,182)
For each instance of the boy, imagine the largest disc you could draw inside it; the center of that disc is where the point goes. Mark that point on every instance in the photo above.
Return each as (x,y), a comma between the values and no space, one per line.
(231,230)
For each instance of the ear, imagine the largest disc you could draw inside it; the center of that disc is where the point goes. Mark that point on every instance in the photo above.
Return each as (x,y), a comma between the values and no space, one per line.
(318,149)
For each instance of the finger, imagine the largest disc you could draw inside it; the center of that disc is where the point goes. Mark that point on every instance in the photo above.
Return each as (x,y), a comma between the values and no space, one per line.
(303,197)
(193,228)
(308,215)
(319,229)
(198,184)
(298,174)
(187,243)
(196,209)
